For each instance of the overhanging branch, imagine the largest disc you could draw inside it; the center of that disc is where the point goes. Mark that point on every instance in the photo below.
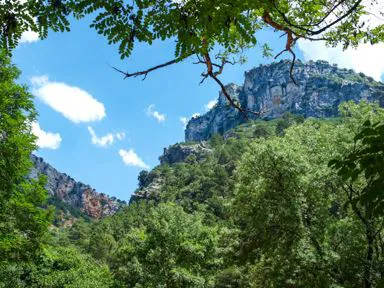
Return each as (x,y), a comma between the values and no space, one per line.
(146,72)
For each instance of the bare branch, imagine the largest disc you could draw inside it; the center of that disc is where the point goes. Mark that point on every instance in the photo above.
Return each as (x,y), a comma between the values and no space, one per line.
(145,72)
(291,41)
(213,74)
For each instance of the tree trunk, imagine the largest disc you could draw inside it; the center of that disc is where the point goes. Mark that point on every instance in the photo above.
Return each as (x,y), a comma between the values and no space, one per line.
(369,258)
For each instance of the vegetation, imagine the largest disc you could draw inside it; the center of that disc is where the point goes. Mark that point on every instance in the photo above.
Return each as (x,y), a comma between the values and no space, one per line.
(23,220)
(265,211)
(198,27)
(30,256)
(284,203)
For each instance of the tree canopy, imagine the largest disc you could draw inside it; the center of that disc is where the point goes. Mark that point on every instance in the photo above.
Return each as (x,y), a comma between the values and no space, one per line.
(23,217)
(200,26)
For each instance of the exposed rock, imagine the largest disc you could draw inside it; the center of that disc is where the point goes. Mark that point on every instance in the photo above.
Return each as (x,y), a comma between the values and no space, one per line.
(150,191)
(180,152)
(268,88)
(152,182)
(76,194)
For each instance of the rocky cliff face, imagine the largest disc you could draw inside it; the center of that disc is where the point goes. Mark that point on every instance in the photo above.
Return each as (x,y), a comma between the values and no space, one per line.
(74,194)
(320,88)
(180,152)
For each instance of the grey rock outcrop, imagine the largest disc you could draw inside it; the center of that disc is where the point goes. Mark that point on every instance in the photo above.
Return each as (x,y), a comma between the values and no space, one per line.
(76,194)
(151,185)
(180,152)
(320,88)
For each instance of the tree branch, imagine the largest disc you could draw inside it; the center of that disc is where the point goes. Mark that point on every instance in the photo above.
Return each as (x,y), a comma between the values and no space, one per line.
(213,74)
(321,30)
(145,72)
(291,41)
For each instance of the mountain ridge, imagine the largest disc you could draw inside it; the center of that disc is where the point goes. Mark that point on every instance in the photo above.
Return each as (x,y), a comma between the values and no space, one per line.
(268,89)
(74,194)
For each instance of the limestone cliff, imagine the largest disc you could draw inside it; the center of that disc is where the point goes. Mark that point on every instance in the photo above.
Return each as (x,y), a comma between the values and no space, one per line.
(320,88)
(180,152)
(73,194)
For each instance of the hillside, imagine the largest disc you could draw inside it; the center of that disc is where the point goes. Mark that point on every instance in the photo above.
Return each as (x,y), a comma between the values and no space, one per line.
(73,198)
(257,207)
(254,205)
(321,88)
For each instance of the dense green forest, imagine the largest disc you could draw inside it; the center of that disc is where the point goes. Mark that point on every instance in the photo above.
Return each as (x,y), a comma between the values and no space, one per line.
(290,202)
(280,203)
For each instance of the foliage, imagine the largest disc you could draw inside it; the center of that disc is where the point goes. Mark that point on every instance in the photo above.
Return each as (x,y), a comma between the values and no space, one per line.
(299,227)
(229,24)
(26,259)
(367,159)
(263,207)
(197,26)
(24,218)
(163,247)
(56,268)
(256,212)
(286,121)
(37,16)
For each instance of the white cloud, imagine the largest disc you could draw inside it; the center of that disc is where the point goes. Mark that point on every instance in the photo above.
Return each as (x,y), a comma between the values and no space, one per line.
(120,136)
(38,81)
(103,141)
(130,158)
(45,139)
(106,140)
(29,37)
(366,58)
(72,102)
(156,114)
(184,120)
(211,104)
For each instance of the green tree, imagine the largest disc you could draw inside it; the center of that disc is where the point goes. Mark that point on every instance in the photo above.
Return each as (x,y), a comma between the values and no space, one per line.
(168,248)
(57,267)
(361,171)
(366,160)
(300,226)
(286,121)
(24,218)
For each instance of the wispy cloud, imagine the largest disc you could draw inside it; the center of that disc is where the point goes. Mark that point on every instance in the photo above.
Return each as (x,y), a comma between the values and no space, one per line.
(130,158)
(184,120)
(103,141)
(156,114)
(72,102)
(120,135)
(365,58)
(45,139)
(106,140)
(211,104)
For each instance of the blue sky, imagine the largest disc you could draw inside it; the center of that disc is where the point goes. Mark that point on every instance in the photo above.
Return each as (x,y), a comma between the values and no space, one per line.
(102,130)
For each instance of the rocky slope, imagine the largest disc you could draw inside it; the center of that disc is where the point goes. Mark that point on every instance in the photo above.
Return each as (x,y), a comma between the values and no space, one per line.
(153,181)
(180,152)
(74,195)
(320,88)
